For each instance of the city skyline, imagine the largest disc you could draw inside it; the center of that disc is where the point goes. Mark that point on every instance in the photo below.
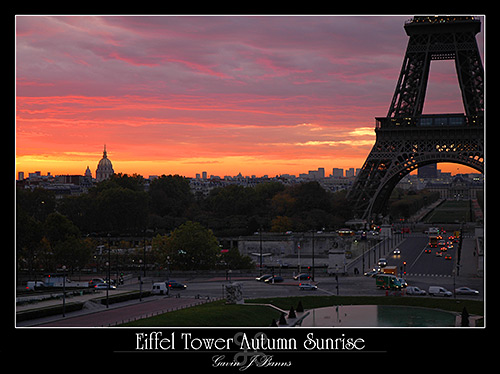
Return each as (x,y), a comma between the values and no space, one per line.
(222,94)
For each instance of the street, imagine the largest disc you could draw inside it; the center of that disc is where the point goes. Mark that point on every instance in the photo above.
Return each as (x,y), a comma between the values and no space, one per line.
(422,270)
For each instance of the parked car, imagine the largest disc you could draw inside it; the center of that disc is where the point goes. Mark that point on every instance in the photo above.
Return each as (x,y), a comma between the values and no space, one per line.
(307,287)
(262,278)
(412,290)
(466,291)
(274,279)
(439,291)
(303,276)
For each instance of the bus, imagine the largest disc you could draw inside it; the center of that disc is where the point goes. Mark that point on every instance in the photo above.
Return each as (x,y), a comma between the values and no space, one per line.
(388,281)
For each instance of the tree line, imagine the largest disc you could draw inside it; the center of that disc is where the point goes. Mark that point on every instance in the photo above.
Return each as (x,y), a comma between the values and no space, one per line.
(50,231)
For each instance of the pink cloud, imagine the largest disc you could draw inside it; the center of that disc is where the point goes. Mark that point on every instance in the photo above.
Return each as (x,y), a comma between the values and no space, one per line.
(209,85)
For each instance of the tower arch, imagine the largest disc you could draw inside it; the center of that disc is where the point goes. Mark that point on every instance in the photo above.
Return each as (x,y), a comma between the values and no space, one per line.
(406,139)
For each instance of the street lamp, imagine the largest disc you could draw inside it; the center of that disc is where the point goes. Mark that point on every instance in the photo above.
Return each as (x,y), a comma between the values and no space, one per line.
(140,283)
(260,267)
(64,291)
(107,285)
(313,255)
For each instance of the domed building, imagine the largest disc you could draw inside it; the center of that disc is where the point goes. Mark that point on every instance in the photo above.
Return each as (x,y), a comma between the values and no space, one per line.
(104,167)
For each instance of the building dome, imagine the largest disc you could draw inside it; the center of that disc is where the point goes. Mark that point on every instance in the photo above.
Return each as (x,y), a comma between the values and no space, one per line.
(104,167)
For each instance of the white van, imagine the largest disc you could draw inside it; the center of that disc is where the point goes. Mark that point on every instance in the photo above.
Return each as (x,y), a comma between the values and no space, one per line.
(439,291)
(412,290)
(160,288)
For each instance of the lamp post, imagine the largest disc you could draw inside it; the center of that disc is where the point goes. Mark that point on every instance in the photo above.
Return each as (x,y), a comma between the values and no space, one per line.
(64,291)
(108,265)
(140,283)
(313,255)
(260,267)
(107,286)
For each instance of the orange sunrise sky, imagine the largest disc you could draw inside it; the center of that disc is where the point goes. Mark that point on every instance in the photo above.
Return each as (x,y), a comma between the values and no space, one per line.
(223,94)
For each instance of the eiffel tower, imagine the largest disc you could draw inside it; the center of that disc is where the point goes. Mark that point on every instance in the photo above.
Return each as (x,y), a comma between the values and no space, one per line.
(405,138)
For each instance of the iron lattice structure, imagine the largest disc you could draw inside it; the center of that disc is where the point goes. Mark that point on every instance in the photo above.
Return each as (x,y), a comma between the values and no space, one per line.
(406,139)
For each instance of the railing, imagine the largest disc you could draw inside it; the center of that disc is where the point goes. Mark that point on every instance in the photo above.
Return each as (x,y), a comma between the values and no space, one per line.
(439,19)
(429,120)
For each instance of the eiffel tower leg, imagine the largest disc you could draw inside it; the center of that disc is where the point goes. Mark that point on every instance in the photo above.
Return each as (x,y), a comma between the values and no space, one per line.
(397,152)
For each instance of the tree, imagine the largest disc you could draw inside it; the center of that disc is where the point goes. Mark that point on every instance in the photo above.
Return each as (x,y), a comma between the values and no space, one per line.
(121,209)
(189,247)
(170,196)
(281,224)
(465,318)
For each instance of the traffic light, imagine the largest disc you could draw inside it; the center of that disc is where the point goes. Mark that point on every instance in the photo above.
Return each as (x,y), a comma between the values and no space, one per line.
(404,267)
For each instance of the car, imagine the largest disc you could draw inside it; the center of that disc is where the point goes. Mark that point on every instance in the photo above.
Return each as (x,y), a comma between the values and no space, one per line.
(95,281)
(397,251)
(103,286)
(303,276)
(262,278)
(371,273)
(403,282)
(439,291)
(439,254)
(382,262)
(274,279)
(412,290)
(466,291)
(427,250)
(175,284)
(307,287)
(35,285)
(447,257)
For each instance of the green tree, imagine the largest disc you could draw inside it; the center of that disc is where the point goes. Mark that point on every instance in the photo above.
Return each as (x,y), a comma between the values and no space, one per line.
(189,247)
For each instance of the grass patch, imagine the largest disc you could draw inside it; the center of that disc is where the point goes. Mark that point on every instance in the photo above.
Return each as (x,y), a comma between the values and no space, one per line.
(214,314)
(450,211)
(218,314)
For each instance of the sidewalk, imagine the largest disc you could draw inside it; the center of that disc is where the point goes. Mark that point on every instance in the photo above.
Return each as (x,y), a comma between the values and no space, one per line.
(468,258)
(116,314)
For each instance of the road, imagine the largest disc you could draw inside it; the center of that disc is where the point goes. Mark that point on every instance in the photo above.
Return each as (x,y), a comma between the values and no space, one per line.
(423,270)
(420,263)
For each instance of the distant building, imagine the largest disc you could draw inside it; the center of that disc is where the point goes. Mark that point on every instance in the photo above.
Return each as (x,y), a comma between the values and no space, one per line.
(104,168)
(337,173)
(460,188)
(428,171)
(88,173)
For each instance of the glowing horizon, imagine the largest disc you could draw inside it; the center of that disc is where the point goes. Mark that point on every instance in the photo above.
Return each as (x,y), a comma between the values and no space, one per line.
(223,94)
